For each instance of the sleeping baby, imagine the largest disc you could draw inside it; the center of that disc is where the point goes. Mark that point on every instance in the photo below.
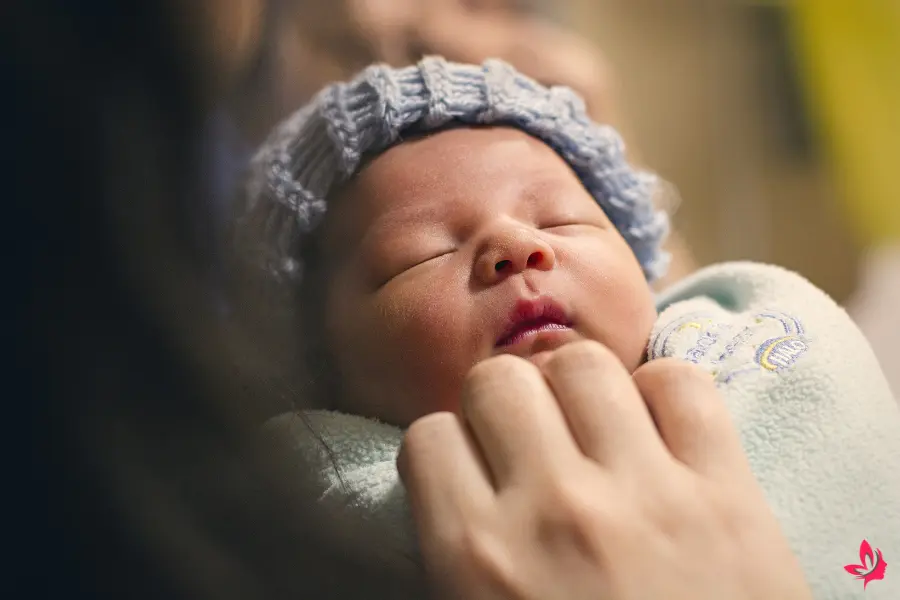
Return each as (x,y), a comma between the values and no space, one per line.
(433,216)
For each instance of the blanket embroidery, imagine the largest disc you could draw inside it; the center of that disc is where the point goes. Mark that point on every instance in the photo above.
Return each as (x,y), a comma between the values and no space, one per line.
(772,342)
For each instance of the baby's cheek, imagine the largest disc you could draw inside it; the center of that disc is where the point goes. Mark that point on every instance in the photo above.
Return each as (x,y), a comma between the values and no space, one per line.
(622,309)
(635,314)
(434,325)
(428,333)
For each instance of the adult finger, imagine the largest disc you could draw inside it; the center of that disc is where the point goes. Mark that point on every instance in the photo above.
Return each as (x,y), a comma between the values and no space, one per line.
(444,475)
(692,417)
(516,420)
(603,407)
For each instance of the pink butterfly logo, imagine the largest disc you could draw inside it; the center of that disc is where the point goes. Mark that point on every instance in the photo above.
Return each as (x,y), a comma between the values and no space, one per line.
(871,565)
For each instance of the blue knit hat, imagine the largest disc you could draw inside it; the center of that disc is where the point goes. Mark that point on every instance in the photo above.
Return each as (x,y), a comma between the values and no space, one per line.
(323,144)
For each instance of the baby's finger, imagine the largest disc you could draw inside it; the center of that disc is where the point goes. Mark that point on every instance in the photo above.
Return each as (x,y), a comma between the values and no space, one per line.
(604,408)
(444,475)
(692,417)
(516,420)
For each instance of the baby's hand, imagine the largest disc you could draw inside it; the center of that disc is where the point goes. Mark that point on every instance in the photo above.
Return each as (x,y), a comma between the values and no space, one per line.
(573,479)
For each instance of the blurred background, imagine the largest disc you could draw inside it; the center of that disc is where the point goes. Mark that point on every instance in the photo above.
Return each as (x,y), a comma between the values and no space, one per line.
(776,121)
(130,126)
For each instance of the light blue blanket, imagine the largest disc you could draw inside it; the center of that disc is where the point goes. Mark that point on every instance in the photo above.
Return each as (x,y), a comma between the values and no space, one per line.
(815,413)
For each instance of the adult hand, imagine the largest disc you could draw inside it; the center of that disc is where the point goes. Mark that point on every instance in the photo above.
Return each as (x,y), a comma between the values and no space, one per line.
(577,480)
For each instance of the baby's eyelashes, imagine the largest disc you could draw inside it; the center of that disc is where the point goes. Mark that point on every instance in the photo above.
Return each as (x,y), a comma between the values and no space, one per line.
(573,227)
(409,265)
(433,256)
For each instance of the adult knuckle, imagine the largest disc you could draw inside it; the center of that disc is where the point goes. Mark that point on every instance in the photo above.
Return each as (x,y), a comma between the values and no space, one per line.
(693,415)
(488,385)
(424,431)
(681,385)
(476,547)
(678,506)
(668,372)
(486,559)
(571,506)
(578,521)
(579,355)
(497,368)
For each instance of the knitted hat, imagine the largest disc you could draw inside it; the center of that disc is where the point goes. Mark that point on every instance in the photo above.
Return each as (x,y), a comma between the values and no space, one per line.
(324,143)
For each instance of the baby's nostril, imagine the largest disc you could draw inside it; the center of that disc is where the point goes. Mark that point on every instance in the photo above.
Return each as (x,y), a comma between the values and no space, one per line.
(535,258)
(501,265)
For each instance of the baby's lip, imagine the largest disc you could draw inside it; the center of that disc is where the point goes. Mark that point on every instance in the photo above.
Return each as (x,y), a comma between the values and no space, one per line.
(532,312)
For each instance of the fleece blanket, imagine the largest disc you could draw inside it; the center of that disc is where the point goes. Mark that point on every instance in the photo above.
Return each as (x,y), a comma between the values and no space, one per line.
(816,416)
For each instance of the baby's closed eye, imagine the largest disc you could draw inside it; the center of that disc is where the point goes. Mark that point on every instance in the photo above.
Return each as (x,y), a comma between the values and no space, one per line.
(567,216)
(390,267)
(571,226)
(566,224)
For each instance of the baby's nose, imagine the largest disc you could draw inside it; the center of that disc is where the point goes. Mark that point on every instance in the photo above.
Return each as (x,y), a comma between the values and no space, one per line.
(513,252)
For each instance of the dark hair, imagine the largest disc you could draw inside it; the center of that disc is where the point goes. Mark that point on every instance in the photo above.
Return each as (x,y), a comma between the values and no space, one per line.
(132,452)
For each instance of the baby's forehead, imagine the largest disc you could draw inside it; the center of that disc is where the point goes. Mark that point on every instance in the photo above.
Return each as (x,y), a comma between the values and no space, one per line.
(460,164)
(428,177)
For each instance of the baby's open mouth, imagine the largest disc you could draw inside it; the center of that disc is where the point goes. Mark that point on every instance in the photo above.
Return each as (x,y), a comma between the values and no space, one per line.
(531,317)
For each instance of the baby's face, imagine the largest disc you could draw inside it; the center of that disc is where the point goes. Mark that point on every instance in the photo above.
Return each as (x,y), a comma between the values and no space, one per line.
(466,244)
